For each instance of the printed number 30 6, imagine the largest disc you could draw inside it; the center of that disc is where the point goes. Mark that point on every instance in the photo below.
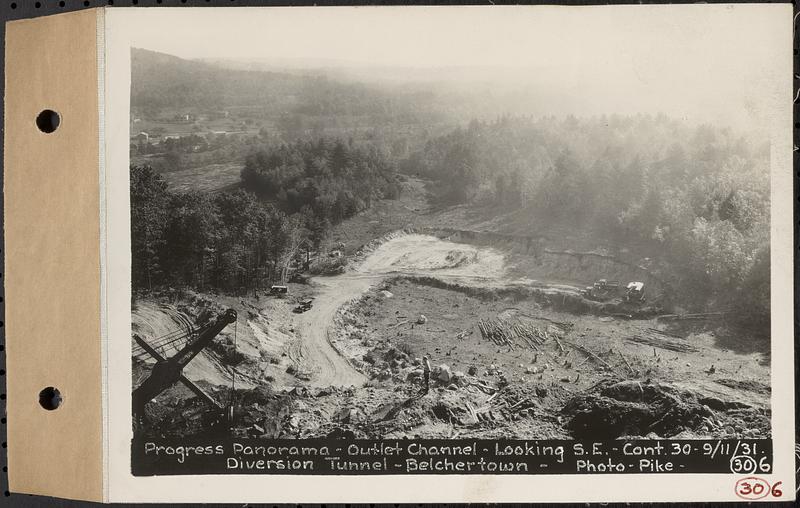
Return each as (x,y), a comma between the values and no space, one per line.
(753,487)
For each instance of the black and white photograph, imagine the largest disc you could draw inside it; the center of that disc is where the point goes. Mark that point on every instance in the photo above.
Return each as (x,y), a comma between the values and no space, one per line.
(492,232)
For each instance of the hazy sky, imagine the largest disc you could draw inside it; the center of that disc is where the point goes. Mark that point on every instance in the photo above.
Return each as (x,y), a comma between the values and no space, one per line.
(712,62)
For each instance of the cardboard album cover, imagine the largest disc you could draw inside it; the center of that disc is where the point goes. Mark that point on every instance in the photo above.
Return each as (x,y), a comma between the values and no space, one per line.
(401,254)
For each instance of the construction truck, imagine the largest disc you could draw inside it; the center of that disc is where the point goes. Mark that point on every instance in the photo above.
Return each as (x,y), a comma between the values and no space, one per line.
(634,292)
(602,290)
(303,306)
(278,290)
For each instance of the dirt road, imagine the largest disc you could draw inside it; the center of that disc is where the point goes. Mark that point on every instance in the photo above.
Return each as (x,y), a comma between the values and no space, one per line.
(313,353)
(413,254)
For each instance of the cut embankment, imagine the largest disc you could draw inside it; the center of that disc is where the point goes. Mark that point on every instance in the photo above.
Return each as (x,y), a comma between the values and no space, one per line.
(416,253)
(236,350)
(556,298)
(446,251)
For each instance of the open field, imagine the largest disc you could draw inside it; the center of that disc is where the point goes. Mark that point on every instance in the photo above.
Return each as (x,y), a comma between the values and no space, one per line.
(211,178)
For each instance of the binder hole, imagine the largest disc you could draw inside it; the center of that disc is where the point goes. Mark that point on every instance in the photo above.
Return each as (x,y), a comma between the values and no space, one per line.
(50,398)
(13,5)
(62,3)
(37,4)
(48,121)
(86,3)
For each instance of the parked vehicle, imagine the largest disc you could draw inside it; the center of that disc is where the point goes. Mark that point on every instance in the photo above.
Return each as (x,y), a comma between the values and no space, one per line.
(635,292)
(278,290)
(602,290)
(302,306)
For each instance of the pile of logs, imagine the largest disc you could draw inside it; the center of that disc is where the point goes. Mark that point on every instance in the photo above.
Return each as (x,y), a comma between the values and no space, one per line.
(504,333)
(691,317)
(661,340)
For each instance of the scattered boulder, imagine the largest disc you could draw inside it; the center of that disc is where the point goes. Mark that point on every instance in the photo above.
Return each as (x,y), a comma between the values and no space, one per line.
(299,391)
(714,403)
(345,415)
(386,294)
(444,374)
(421,320)
(472,370)
(721,405)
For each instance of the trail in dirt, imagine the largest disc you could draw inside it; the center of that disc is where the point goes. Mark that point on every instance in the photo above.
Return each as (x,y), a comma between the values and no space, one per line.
(409,255)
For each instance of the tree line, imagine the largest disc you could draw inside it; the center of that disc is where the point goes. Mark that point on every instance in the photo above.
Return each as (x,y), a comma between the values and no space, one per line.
(695,198)
(332,178)
(251,237)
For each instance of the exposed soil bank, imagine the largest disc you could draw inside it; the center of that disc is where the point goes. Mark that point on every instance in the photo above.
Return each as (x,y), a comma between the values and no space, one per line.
(529,257)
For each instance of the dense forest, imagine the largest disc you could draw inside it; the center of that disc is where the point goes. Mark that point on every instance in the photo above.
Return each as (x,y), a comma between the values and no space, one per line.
(696,199)
(246,240)
(331,177)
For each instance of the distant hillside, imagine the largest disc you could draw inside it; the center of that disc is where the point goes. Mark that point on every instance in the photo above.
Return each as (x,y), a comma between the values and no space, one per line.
(164,82)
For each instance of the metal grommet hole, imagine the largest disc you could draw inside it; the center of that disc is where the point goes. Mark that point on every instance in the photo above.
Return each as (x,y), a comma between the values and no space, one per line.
(48,121)
(50,398)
